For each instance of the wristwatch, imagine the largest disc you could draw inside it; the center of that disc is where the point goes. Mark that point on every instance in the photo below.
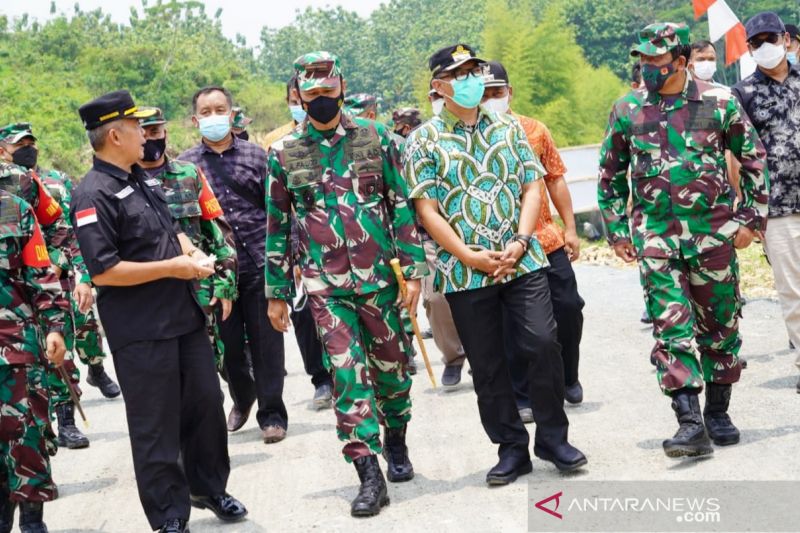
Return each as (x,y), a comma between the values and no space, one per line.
(525,240)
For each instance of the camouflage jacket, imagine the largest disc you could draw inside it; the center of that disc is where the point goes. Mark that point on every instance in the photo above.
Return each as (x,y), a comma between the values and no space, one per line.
(59,185)
(682,200)
(193,204)
(352,208)
(27,185)
(30,294)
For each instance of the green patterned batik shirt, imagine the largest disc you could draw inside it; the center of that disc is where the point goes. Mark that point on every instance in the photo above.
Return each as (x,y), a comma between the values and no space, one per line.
(476,174)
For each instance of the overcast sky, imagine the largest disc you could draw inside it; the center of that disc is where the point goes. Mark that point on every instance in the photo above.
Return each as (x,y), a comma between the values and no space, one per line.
(238,16)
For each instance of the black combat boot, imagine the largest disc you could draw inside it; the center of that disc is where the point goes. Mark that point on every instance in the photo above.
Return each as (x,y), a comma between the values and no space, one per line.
(7,508)
(719,425)
(98,378)
(691,440)
(30,517)
(68,434)
(396,454)
(372,493)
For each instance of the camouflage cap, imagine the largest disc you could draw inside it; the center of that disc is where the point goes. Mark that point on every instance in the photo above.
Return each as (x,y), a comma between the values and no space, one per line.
(156,118)
(357,103)
(407,115)
(240,120)
(660,38)
(317,70)
(14,133)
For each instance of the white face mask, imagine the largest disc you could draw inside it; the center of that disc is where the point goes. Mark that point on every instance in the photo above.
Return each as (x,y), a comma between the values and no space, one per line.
(769,55)
(437,106)
(705,70)
(497,105)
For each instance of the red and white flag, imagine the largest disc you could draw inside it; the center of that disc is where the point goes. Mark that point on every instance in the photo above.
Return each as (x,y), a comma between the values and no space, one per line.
(86,216)
(723,22)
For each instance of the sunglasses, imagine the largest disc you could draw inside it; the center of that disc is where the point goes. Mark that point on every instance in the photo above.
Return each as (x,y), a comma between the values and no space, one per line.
(772,38)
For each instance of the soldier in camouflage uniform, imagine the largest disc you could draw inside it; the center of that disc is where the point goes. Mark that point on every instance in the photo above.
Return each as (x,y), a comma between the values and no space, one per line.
(82,332)
(673,134)
(361,105)
(32,306)
(193,204)
(341,176)
(240,123)
(404,120)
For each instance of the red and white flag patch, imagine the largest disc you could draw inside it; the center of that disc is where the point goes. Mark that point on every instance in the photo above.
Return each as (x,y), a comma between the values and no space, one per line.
(86,216)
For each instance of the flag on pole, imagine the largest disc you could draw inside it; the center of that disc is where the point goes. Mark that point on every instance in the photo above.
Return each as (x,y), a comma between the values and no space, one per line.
(723,22)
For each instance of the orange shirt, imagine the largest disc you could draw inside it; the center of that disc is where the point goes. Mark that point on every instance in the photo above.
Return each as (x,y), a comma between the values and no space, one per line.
(550,234)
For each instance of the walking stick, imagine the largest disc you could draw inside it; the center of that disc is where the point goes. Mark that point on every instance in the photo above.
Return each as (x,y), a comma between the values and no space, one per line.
(402,282)
(63,373)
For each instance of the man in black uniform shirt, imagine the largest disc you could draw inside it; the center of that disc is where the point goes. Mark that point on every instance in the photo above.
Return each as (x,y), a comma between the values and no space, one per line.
(142,265)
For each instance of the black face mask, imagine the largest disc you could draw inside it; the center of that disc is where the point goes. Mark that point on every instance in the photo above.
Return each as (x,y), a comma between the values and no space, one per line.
(243,135)
(154,149)
(26,156)
(324,108)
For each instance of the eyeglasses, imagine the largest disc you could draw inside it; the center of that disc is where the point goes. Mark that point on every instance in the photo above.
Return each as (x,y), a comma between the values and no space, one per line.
(772,38)
(461,75)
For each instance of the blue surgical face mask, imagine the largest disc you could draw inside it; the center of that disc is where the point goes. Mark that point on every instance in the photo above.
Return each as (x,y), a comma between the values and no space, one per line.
(298,113)
(792,58)
(468,92)
(215,127)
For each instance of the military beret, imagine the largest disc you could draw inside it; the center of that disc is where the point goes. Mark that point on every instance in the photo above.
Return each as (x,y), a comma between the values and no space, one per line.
(112,106)
(661,37)
(14,133)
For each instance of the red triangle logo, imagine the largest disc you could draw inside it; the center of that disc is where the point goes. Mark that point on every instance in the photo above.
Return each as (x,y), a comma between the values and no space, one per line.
(555,497)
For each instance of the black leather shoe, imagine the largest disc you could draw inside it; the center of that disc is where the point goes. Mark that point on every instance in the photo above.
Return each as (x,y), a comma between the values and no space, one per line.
(237,418)
(451,376)
(719,426)
(691,439)
(69,436)
(395,452)
(175,525)
(372,494)
(226,507)
(508,469)
(574,393)
(565,456)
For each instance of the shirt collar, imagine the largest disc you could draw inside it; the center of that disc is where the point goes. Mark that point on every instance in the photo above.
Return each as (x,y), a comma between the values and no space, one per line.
(759,76)
(113,170)
(690,92)
(452,122)
(234,145)
(346,122)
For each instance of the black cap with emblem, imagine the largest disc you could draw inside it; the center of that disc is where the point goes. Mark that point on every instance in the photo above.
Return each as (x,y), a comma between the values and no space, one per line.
(112,106)
(451,57)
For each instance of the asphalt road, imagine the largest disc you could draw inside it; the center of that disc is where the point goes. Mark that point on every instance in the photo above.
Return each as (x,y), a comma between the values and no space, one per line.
(303,484)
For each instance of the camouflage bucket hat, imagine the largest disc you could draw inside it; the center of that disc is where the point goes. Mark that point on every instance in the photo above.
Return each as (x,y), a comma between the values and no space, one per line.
(317,70)
(156,118)
(14,133)
(240,120)
(660,38)
(356,104)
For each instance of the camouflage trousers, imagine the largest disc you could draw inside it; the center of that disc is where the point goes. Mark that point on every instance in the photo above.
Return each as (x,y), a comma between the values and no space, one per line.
(24,421)
(694,301)
(205,293)
(366,349)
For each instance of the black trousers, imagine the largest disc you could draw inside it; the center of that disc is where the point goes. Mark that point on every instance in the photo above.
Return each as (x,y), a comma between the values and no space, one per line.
(518,313)
(249,320)
(305,331)
(176,422)
(568,312)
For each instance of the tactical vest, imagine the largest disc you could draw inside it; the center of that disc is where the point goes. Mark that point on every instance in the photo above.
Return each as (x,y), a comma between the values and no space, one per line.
(10,233)
(303,160)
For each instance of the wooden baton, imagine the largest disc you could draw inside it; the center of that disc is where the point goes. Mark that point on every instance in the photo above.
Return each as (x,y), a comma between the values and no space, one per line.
(74,395)
(401,281)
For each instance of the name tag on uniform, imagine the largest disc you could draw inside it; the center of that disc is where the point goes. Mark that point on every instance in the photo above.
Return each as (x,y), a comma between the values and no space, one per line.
(124,193)
(152,182)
